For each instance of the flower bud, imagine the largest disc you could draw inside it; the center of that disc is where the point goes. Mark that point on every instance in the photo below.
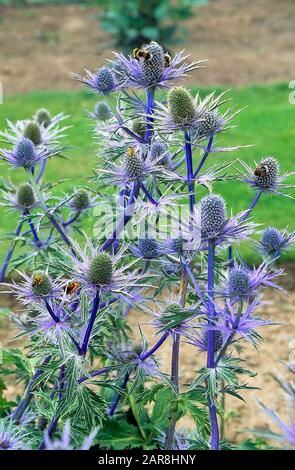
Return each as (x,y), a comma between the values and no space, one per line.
(105,81)
(271,240)
(181,106)
(149,248)
(32,132)
(81,200)
(43,117)
(102,111)
(157,149)
(101,270)
(238,282)
(25,196)
(41,284)
(213,215)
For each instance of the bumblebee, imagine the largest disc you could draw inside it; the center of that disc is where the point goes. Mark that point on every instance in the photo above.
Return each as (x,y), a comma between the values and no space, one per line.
(71,287)
(131,152)
(37,280)
(260,170)
(168,60)
(141,54)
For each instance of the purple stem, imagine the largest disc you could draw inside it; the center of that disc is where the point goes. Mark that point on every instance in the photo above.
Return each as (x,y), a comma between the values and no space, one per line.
(51,312)
(25,401)
(211,335)
(142,357)
(252,205)
(34,231)
(72,219)
(206,153)
(42,169)
(189,167)
(123,220)
(147,193)
(11,249)
(195,284)
(150,104)
(94,310)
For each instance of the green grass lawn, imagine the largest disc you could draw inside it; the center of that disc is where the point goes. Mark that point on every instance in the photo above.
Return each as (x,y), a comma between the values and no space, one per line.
(267,122)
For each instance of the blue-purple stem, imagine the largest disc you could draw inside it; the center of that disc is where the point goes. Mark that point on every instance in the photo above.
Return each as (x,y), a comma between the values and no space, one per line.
(147,193)
(206,153)
(123,220)
(142,357)
(150,104)
(25,401)
(189,169)
(211,335)
(11,249)
(95,307)
(252,205)
(72,219)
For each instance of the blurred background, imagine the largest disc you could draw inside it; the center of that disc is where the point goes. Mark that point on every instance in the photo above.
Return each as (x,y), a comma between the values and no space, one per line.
(249,45)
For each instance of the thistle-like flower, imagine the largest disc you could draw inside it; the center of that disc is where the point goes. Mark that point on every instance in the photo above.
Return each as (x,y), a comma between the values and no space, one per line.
(148,248)
(216,226)
(101,112)
(200,340)
(243,282)
(266,177)
(41,131)
(37,288)
(245,326)
(135,166)
(95,270)
(184,112)
(26,155)
(12,437)
(151,67)
(160,152)
(273,241)
(103,81)
(20,198)
(82,200)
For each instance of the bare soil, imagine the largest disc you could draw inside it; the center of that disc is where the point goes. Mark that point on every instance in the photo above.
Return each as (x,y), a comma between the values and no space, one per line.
(244,41)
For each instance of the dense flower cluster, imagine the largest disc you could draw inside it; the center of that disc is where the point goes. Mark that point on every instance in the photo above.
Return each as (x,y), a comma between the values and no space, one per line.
(160,246)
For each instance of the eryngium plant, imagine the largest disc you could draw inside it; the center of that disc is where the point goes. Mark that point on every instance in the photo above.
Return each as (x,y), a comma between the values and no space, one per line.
(85,380)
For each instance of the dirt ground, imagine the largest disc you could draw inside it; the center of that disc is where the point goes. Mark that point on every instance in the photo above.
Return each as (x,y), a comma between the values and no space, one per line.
(244,41)
(278,345)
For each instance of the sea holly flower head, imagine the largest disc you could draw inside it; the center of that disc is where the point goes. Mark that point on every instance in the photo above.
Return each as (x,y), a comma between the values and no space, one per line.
(12,437)
(213,215)
(103,81)
(215,225)
(32,131)
(148,248)
(37,288)
(159,151)
(243,282)
(266,177)
(135,166)
(41,134)
(150,66)
(43,117)
(25,196)
(81,200)
(101,112)
(273,241)
(95,270)
(25,154)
